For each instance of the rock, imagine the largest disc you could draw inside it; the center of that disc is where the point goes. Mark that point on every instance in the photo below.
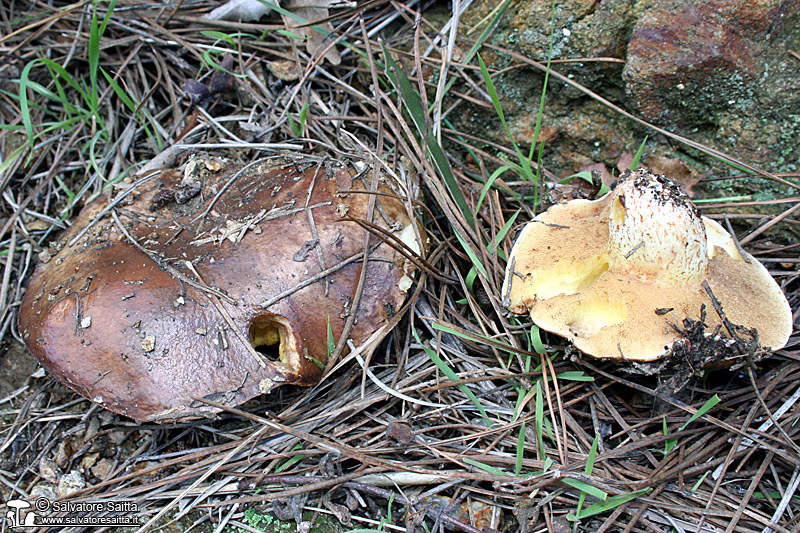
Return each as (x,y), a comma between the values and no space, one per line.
(49,470)
(718,72)
(92,429)
(89,460)
(718,64)
(64,452)
(103,468)
(44,490)
(118,436)
(70,483)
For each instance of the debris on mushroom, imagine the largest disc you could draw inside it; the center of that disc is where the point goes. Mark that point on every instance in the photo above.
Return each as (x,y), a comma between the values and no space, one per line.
(208,296)
(615,275)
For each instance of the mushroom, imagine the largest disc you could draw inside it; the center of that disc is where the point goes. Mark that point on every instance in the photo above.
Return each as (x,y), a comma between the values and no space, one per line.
(613,274)
(219,283)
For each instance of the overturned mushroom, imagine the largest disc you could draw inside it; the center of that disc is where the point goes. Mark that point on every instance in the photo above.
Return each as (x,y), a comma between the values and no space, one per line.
(610,274)
(218,283)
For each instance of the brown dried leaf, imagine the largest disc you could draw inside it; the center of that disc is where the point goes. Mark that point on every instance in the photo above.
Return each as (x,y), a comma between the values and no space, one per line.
(316,42)
(624,162)
(676,170)
(602,172)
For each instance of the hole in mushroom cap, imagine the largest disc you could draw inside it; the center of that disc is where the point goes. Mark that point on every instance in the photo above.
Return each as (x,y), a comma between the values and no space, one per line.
(267,334)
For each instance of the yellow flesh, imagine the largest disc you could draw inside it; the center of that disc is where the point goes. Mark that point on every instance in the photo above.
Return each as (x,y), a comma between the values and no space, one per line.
(609,314)
(267,334)
(563,278)
(595,313)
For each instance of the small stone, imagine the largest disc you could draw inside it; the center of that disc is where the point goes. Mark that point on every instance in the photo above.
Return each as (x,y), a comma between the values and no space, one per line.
(70,483)
(400,430)
(103,468)
(118,436)
(44,490)
(89,460)
(213,165)
(86,322)
(92,429)
(63,453)
(149,343)
(49,470)
(284,69)
(45,256)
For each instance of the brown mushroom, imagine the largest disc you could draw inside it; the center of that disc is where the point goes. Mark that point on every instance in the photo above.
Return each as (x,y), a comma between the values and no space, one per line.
(610,274)
(218,283)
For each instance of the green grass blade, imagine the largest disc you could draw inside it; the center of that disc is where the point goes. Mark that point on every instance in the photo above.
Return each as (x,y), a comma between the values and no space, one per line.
(710,403)
(109,10)
(119,91)
(536,340)
(23,100)
(411,99)
(543,98)
(591,457)
(538,417)
(476,262)
(469,280)
(524,163)
(291,460)
(585,488)
(470,55)
(447,371)
(584,175)
(574,375)
(486,32)
(635,162)
(669,444)
(520,449)
(588,471)
(12,157)
(505,229)
(331,342)
(488,185)
(65,76)
(703,478)
(475,337)
(413,105)
(216,66)
(486,468)
(220,36)
(607,505)
(492,90)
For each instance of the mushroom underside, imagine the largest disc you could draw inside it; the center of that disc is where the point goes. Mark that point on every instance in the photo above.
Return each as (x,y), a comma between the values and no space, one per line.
(564,274)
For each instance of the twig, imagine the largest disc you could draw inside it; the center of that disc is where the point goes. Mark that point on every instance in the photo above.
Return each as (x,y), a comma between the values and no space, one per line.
(228,320)
(169,269)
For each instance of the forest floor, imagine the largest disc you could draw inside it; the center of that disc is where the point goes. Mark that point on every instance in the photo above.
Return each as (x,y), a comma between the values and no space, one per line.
(464,417)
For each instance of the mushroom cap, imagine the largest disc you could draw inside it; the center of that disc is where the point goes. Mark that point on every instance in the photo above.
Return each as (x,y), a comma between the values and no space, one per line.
(135,333)
(611,274)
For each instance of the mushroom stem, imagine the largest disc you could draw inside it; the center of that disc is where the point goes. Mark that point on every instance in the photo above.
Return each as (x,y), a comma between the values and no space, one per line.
(656,233)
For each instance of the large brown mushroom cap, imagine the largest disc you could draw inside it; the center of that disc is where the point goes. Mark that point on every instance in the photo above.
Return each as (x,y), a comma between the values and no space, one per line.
(610,274)
(135,330)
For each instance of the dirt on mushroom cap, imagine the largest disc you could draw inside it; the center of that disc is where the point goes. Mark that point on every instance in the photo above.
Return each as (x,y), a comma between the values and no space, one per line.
(569,272)
(159,337)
